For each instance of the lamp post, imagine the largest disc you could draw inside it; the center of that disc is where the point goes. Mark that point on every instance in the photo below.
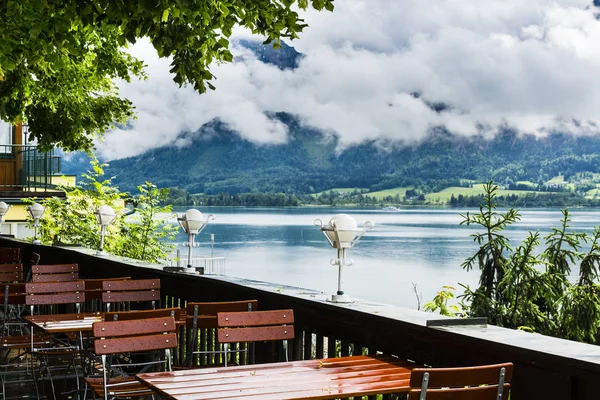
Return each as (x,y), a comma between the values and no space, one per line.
(3,210)
(35,211)
(105,215)
(192,222)
(342,233)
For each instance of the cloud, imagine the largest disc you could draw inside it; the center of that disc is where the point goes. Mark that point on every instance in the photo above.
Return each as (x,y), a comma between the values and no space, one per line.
(534,66)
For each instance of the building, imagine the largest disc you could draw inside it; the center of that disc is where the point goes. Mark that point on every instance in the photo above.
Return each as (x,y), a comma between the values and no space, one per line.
(25,172)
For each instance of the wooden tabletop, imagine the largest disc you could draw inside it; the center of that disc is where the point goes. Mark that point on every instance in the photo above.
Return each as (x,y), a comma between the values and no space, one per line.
(328,378)
(64,323)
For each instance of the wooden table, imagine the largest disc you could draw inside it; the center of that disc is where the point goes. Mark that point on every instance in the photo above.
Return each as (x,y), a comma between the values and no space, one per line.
(64,323)
(328,378)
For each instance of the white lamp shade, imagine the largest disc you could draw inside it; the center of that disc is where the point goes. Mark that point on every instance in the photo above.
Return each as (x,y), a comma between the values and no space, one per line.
(36,210)
(344,227)
(105,215)
(3,208)
(191,221)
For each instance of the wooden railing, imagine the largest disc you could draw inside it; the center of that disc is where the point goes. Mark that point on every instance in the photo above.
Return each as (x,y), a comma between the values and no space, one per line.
(545,368)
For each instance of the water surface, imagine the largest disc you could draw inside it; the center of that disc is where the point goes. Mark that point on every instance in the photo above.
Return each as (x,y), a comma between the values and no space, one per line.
(424,247)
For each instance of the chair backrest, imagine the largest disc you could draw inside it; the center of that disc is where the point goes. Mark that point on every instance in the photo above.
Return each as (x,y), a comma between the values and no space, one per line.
(54,272)
(54,293)
(137,335)
(204,314)
(461,383)
(10,255)
(255,326)
(13,294)
(128,291)
(93,287)
(11,272)
(144,314)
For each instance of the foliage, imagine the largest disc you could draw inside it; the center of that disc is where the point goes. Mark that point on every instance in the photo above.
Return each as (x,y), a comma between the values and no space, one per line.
(530,290)
(440,302)
(144,236)
(59,60)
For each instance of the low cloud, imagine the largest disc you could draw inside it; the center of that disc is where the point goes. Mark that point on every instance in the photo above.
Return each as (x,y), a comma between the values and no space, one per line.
(534,66)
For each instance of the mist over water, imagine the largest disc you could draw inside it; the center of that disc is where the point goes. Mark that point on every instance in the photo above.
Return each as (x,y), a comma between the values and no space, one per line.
(416,245)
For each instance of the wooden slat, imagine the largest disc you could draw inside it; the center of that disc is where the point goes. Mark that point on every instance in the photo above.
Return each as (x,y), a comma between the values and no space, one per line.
(134,284)
(68,277)
(134,327)
(474,393)
(54,268)
(176,313)
(255,334)
(50,287)
(11,276)
(212,308)
(96,284)
(7,268)
(146,295)
(460,377)
(255,318)
(55,298)
(135,343)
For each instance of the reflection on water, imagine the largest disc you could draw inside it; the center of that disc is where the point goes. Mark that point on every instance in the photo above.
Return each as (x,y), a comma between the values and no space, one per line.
(421,246)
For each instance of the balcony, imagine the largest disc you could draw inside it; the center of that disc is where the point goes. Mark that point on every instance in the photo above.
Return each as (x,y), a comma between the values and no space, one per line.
(545,367)
(25,170)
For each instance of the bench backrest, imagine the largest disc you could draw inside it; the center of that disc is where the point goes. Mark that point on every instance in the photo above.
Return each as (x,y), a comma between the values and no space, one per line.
(203,315)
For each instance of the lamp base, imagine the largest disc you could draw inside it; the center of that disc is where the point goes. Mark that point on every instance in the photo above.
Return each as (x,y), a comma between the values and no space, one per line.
(36,241)
(340,298)
(101,253)
(189,270)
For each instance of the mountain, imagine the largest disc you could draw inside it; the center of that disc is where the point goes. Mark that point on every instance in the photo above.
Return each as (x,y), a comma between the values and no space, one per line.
(218,160)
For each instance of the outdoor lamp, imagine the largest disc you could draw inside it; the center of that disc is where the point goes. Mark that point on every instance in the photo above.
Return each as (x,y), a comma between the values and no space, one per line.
(104,215)
(192,222)
(35,211)
(3,210)
(342,233)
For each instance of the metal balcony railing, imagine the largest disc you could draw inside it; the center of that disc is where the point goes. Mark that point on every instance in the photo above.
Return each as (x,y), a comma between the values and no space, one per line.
(24,167)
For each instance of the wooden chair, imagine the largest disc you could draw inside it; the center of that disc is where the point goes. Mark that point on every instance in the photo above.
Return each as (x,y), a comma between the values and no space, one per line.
(54,293)
(54,273)
(176,313)
(93,292)
(130,291)
(465,383)
(255,326)
(201,323)
(10,255)
(133,336)
(62,359)
(11,273)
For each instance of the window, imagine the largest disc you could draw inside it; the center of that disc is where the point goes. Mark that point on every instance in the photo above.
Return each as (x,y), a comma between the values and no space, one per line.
(6,137)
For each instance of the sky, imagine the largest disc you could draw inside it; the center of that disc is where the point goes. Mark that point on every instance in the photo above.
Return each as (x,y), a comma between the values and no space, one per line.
(533,66)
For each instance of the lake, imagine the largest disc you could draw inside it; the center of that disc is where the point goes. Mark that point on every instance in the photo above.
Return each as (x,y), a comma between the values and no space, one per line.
(419,246)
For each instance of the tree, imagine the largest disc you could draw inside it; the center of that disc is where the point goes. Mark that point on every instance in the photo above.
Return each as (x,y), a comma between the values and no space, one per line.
(59,59)
(143,236)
